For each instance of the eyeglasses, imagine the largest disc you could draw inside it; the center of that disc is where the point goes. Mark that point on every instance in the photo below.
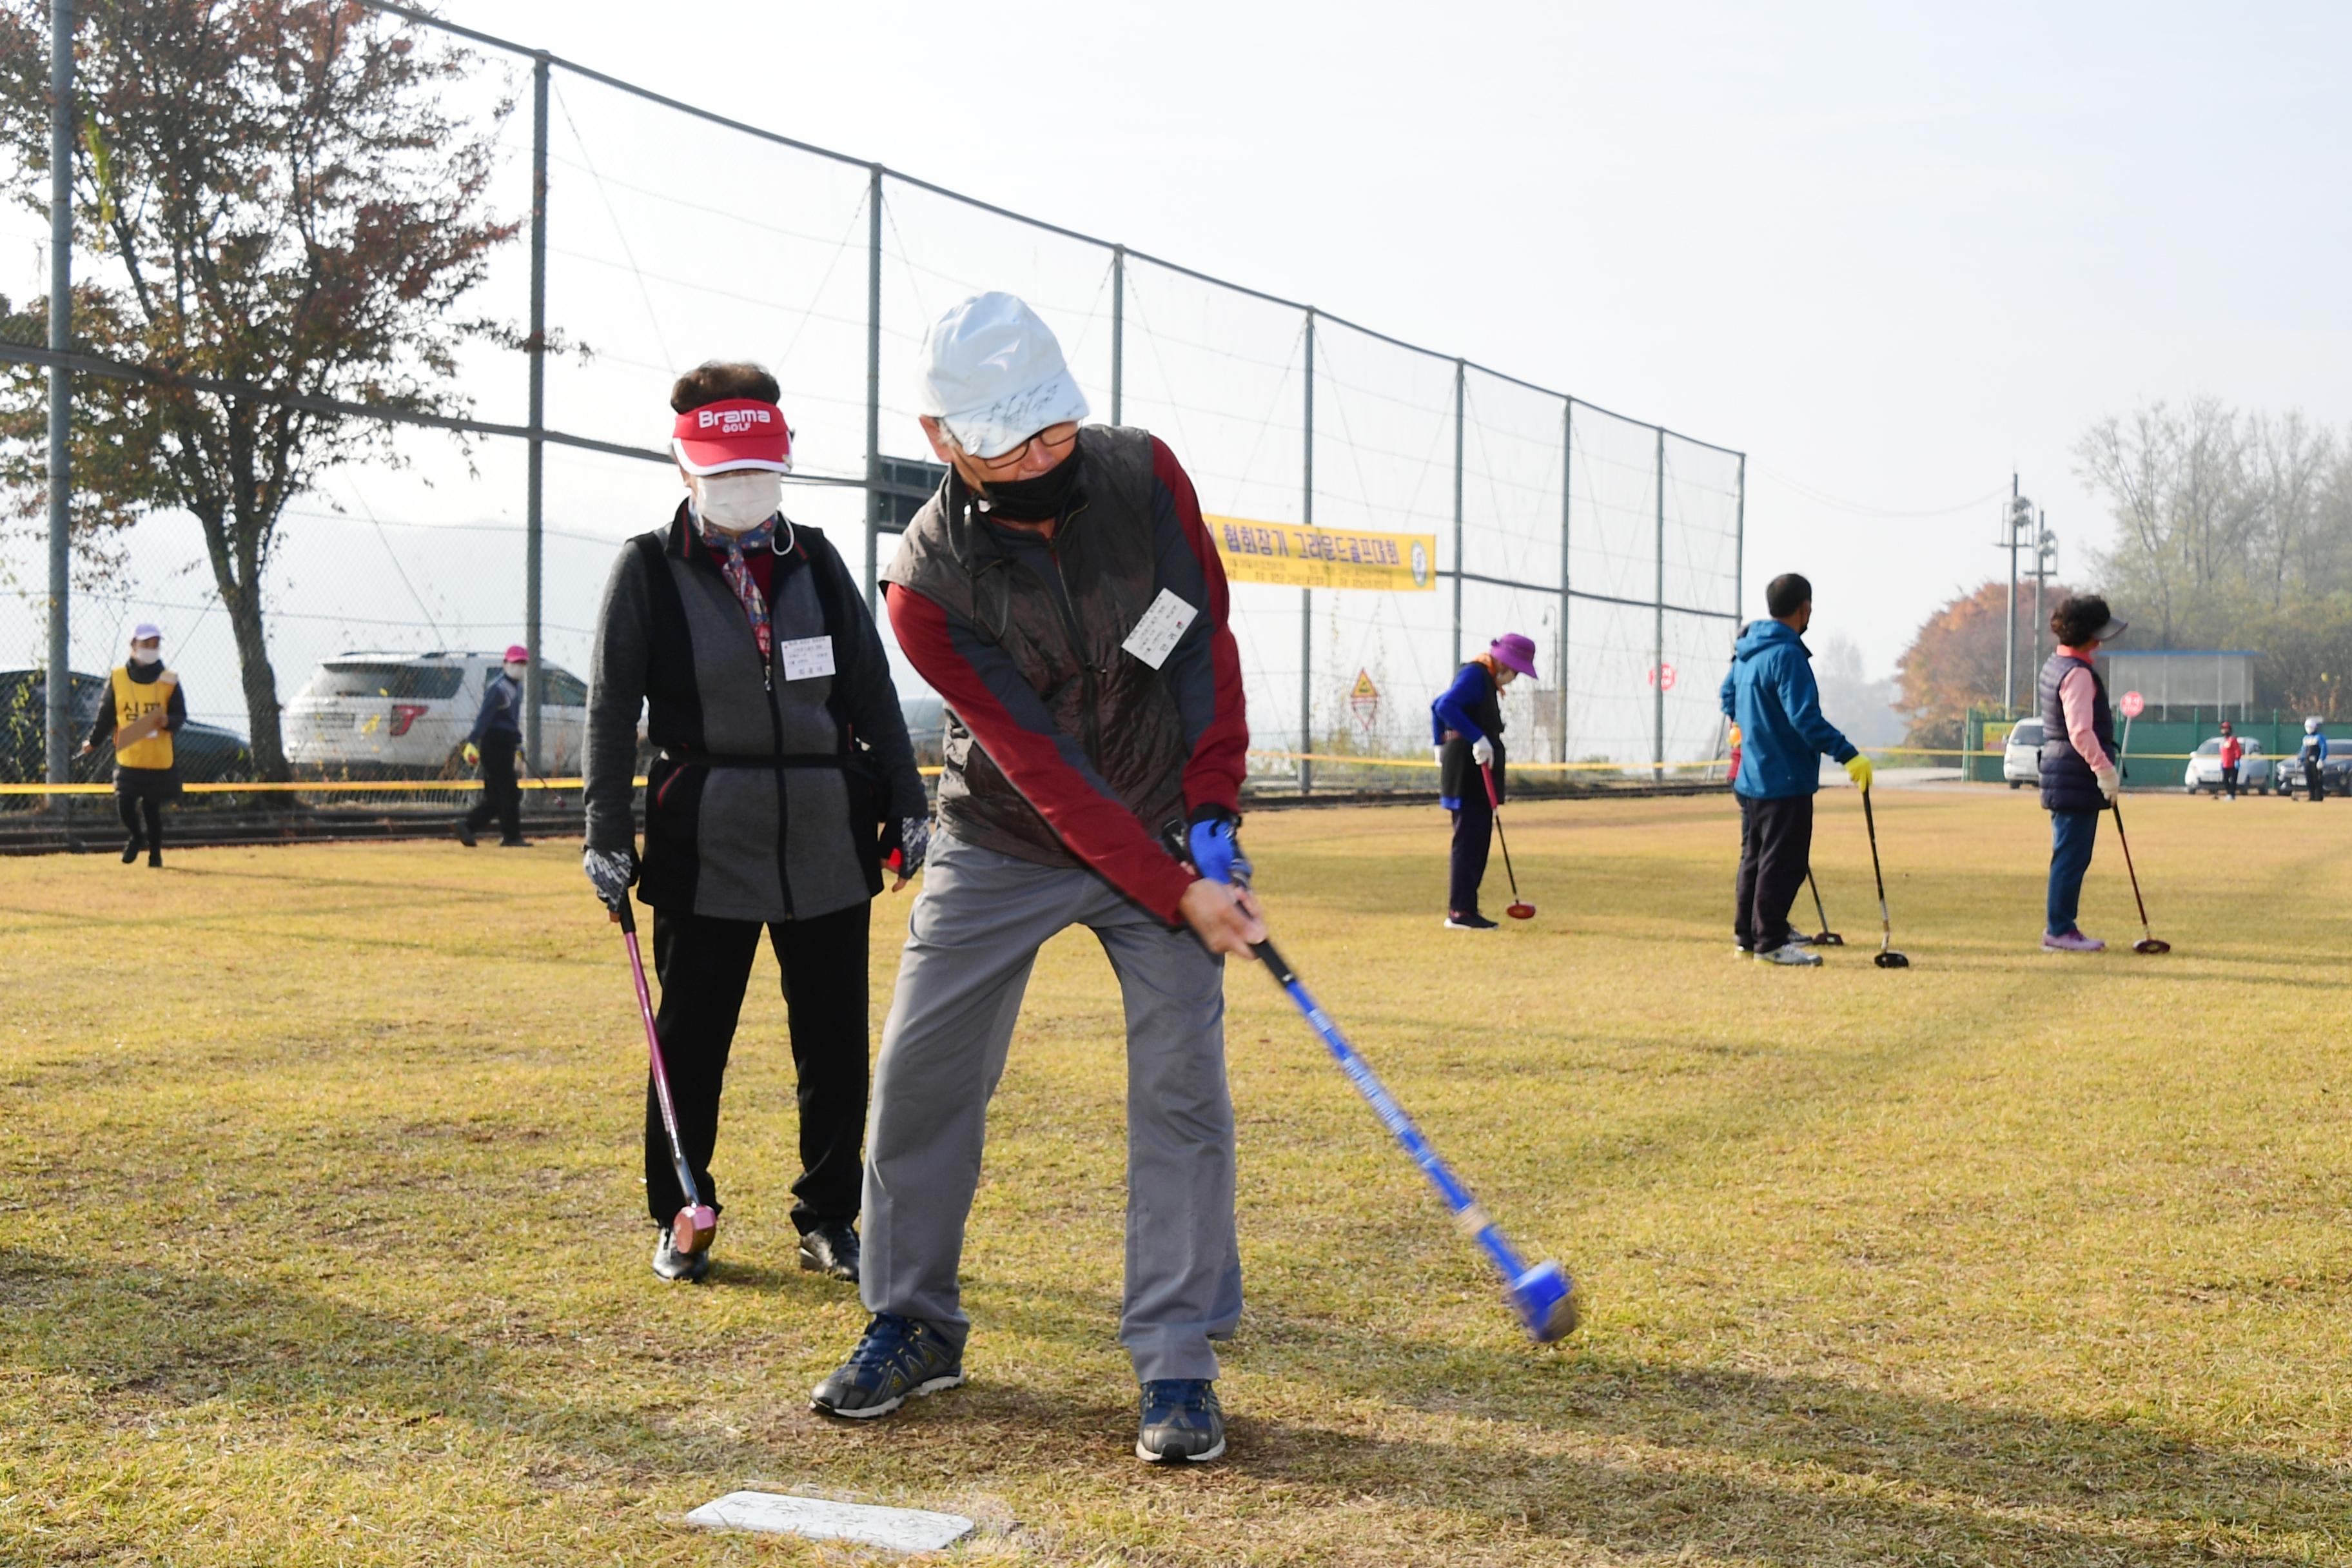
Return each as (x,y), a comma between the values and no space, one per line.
(1054,440)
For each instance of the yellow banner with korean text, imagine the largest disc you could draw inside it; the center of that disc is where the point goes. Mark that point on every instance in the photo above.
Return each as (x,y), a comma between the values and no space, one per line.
(1299,557)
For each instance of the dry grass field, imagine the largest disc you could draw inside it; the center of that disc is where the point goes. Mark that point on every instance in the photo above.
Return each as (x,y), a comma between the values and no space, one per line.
(323,1242)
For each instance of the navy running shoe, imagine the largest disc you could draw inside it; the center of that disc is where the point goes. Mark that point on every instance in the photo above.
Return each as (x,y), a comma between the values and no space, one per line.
(897,1357)
(1181,1421)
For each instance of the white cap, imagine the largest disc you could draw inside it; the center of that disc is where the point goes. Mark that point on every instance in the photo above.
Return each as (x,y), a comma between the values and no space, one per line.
(146,631)
(992,375)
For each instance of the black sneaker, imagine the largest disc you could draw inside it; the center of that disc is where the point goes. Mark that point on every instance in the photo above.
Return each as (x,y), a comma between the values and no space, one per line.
(1471,922)
(154,858)
(831,1250)
(465,833)
(896,1358)
(514,843)
(678,1267)
(130,851)
(1181,1422)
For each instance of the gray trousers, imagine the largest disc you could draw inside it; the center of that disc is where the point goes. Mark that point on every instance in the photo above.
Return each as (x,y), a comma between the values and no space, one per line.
(972,942)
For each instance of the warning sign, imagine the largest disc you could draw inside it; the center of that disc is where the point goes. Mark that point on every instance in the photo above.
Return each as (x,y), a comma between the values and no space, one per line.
(1364,697)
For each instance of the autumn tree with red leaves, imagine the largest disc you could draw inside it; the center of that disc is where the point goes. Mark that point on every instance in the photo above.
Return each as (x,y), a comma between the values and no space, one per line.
(273,193)
(1956,660)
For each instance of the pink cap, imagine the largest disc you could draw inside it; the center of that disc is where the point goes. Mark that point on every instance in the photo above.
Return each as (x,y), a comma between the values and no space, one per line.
(1516,651)
(735,433)
(518,654)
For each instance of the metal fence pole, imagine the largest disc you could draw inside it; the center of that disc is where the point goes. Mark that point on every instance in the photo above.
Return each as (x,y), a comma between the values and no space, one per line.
(1307,596)
(873,498)
(1740,551)
(1567,472)
(1117,334)
(534,689)
(1459,373)
(1658,636)
(60,720)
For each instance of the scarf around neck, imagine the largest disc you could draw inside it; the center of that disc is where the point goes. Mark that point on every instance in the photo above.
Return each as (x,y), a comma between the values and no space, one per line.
(729,548)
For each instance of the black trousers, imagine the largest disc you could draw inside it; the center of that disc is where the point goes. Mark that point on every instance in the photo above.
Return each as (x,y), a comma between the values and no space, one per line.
(2230,781)
(1473,834)
(1776,845)
(2314,778)
(132,808)
(501,796)
(704,964)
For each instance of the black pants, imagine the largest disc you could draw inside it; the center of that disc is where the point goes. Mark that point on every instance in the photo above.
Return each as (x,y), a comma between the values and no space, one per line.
(2314,778)
(133,807)
(501,796)
(2230,781)
(1776,845)
(1473,834)
(704,964)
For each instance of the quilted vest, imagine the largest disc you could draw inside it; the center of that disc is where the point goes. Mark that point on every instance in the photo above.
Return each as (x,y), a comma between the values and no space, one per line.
(2067,781)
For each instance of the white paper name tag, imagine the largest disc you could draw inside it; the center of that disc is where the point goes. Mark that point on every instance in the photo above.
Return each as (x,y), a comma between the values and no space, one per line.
(1155,637)
(806,658)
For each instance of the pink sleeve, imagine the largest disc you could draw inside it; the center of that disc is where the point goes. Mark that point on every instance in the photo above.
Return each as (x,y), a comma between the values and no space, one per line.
(2075,699)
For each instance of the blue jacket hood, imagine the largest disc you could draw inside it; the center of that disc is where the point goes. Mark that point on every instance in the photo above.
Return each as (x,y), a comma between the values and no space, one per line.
(1762,634)
(1770,692)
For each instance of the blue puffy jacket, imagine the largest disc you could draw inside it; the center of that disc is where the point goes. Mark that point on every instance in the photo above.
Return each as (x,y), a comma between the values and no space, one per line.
(1771,694)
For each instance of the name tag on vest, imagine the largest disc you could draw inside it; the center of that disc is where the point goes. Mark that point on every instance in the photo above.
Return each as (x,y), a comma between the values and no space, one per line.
(806,658)
(1155,637)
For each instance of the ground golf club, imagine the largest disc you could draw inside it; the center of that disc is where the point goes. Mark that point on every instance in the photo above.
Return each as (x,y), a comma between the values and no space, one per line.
(2149,941)
(1520,910)
(1824,937)
(1886,957)
(1545,1298)
(698,1222)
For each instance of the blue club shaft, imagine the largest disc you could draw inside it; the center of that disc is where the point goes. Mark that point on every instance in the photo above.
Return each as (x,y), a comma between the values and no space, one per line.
(1465,1208)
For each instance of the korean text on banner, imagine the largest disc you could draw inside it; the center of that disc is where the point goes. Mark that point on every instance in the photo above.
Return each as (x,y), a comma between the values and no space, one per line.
(1325,557)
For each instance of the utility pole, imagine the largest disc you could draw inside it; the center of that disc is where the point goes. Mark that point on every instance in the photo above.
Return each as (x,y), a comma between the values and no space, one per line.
(2021,518)
(2045,564)
(61,150)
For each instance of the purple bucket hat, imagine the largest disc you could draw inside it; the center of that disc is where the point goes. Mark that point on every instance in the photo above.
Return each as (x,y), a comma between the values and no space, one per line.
(1516,651)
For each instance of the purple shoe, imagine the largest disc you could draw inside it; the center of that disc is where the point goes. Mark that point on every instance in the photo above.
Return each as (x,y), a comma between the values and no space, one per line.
(2073,941)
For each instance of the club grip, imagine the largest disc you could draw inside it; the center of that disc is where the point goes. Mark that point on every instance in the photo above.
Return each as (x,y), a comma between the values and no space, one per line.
(626,915)
(1273,960)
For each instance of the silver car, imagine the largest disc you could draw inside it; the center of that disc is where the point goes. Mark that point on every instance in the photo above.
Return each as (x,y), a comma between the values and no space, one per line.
(409,713)
(2203,770)
(2020,758)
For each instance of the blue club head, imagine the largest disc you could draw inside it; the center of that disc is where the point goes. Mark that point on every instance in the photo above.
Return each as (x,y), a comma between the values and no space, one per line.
(1547,1302)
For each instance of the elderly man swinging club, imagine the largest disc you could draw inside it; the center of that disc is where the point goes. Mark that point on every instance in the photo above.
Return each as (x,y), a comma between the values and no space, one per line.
(1061,594)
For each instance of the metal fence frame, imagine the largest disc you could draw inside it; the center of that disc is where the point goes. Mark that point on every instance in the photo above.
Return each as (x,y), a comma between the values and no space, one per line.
(880,487)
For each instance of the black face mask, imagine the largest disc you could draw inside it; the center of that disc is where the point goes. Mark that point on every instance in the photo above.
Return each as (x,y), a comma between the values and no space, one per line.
(1042,498)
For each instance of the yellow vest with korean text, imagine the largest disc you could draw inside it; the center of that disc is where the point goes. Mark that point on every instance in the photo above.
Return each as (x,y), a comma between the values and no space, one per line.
(134,703)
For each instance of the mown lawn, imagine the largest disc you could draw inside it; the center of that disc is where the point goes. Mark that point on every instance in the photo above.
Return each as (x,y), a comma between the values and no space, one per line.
(323,1240)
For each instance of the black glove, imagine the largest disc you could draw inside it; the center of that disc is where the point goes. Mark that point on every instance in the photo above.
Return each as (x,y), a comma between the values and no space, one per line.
(613,872)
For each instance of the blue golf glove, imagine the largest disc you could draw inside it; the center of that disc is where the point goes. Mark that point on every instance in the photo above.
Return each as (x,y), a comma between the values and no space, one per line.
(611,872)
(1216,843)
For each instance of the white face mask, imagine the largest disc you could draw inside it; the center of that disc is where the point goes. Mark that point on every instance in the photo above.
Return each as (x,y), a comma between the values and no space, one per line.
(739,501)
(146,656)
(517,671)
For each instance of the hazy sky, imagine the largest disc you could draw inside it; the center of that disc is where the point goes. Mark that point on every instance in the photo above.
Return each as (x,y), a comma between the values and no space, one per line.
(1889,250)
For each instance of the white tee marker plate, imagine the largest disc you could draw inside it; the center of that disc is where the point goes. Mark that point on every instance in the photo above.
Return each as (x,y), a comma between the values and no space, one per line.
(773,1513)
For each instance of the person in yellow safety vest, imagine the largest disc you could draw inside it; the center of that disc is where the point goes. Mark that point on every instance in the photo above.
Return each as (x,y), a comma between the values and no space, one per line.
(143,704)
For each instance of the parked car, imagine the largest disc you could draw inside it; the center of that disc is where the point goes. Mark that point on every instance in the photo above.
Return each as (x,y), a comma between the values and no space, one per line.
(409,713)
(2286,773)
(2021,755)
(2203,770)
(205,753)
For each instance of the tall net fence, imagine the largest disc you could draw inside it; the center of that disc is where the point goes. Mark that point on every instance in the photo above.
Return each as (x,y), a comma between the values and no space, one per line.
(1384,510)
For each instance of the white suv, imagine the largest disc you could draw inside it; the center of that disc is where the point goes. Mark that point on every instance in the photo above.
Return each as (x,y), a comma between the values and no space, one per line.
(410,713)
(2020,759)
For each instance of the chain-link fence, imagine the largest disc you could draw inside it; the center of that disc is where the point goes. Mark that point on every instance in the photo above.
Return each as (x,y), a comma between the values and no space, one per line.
(1385,509)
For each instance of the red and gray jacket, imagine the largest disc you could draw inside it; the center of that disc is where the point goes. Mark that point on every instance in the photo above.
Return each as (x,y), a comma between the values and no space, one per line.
(1066,745)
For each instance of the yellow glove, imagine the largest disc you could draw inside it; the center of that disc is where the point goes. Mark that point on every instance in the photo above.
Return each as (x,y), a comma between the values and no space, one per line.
(473,755)
(1857,768)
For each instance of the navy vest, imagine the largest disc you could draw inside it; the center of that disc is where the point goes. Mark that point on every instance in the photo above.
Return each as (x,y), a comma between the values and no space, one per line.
(2067,781)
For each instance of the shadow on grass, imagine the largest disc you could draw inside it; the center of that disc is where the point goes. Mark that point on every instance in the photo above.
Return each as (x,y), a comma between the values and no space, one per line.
(1635,1458)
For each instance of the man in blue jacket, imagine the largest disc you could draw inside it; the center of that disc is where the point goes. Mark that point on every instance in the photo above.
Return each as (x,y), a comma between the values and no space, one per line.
(1771,696)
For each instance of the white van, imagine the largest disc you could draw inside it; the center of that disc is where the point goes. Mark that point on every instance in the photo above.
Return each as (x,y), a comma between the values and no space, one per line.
(410,713)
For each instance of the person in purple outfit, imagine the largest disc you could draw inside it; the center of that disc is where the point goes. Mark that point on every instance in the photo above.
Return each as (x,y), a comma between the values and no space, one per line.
(1466,727)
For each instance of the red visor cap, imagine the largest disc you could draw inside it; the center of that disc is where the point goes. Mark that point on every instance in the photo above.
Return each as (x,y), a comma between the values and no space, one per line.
(739,433)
